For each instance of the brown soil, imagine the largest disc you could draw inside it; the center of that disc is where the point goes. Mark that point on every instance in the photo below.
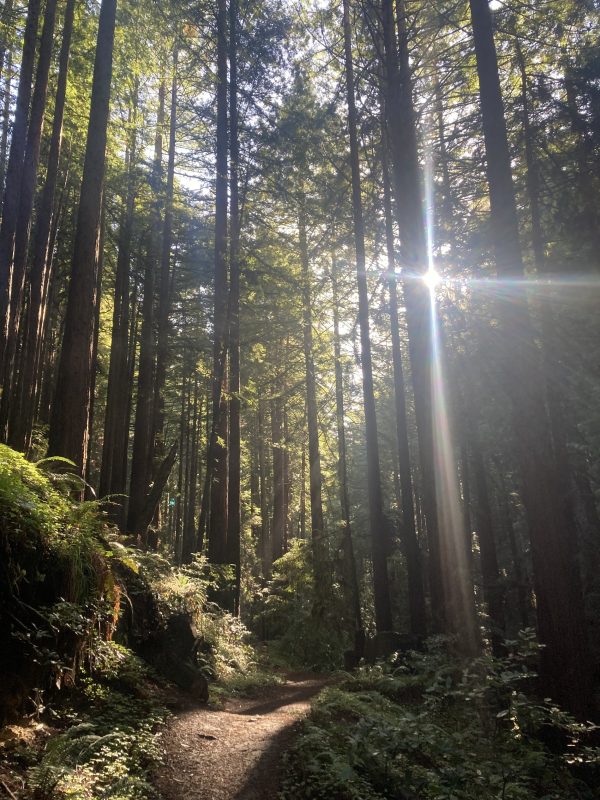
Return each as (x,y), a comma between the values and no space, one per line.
(234,752)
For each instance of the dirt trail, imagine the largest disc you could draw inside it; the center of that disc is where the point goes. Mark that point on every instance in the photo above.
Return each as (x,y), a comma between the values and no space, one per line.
(234,752)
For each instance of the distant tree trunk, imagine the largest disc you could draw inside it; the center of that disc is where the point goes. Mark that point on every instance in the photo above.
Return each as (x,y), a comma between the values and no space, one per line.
(70,410)
(11,334)
(465,481)
(351,584)
(277,530)
(180,476)
(189,527)
(565,659)
(217,528)
(89,492)
(520,572)
(255,483)
(319,544)
(41,254)
(379,526)
(287,484)
(164,299)
(302,522)
(42,387)
(113,476)
(234,511)
(493,591)
(142,452)
(14,169)
(265,544)
(412,551)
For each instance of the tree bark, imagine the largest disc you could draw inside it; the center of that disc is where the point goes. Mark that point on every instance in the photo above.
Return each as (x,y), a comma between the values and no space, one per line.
(142,452)
(14,169)
(277,530)
(565,659)
(164,300)
(351,585)
(412,551)
(265,539)
(319,544)
(189,539)
(10,335)
(70,410)
(113,476)
(217,521)
(234,510)
(41,255)
(379,526)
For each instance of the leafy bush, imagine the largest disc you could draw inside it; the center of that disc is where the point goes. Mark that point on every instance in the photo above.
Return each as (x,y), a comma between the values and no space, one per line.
(108,751)
(432,728)
(285,612)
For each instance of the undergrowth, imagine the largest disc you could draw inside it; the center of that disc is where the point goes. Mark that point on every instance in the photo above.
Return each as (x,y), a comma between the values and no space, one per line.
(284,614)
(69,586)
(433,728)
(111,741)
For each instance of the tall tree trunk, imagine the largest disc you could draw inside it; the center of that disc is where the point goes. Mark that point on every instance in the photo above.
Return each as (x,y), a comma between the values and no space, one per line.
(165,295)
(565,659)
(217,528)
(5,121)
(451,596)
(14,169)
(180,475)
(48,312)
(89,492)
(113,477)
(234,510)
(520,573)
(189,530)
(41,255)
(378,524)
(412,551)
(554,374)
(493,591)
(351,584)
(319,543)
(142,452)
(10,335)
(265,540)
(70,410)
(277,530)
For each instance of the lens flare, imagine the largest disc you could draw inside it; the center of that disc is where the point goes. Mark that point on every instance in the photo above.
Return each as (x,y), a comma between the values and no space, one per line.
(432,279)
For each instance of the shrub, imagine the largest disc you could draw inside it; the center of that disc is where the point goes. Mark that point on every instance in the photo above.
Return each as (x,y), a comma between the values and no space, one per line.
(432,727)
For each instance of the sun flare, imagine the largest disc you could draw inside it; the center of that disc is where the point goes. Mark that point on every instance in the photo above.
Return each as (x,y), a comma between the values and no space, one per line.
(432,279)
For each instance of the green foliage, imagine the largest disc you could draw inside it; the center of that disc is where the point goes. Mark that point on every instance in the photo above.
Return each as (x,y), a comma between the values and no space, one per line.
(432,727)
(308,637)
(113,742)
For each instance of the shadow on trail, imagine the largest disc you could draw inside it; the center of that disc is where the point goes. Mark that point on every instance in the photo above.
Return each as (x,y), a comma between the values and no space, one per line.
(263,782)
(300,695)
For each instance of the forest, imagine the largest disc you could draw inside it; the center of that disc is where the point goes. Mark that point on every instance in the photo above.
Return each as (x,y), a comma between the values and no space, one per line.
(300,399)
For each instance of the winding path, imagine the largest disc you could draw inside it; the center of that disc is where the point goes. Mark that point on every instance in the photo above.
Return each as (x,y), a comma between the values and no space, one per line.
(234,752)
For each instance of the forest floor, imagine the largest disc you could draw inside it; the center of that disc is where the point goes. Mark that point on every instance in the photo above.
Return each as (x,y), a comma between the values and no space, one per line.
(233,752)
